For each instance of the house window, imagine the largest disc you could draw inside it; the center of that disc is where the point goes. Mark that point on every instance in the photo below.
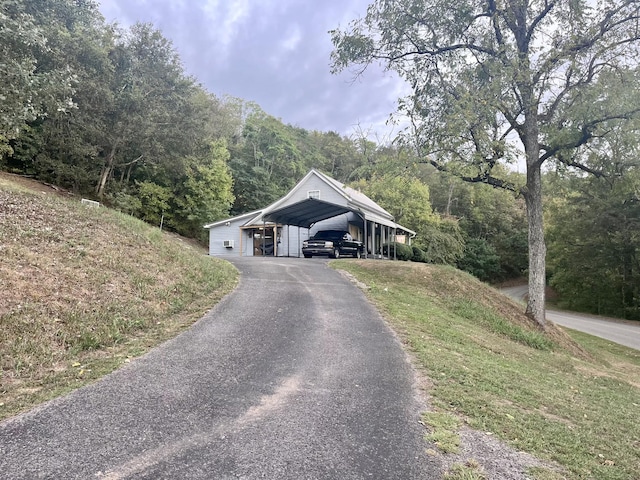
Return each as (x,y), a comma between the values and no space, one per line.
(313,194)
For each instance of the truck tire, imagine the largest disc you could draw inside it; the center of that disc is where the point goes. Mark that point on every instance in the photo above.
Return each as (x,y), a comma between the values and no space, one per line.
(336,253)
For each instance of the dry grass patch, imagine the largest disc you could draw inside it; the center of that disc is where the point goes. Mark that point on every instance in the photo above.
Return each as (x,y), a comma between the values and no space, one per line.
(85,288)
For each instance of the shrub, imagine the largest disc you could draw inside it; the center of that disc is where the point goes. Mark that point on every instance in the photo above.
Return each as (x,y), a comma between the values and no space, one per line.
(418,255)
(480,259)
(402,251)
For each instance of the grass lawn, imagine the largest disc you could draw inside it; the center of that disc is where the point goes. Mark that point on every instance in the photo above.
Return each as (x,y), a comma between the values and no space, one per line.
(85,289)
(571,400)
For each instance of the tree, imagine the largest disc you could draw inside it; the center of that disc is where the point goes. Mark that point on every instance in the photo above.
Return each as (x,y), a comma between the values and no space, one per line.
(25,86)
(149,100)
(594,230)
(205,194)
(407,199)
(493,222)
(266,163)
(494,80)
(59,146)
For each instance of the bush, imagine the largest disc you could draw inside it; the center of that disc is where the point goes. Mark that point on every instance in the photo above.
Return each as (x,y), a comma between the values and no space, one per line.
(402,251)
(418,255)
(480,259)
(442,244)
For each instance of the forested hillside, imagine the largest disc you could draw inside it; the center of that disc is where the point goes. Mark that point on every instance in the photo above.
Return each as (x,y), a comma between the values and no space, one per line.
(110,113)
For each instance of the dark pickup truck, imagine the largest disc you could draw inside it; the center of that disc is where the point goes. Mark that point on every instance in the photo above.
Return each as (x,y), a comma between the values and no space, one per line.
(333,243)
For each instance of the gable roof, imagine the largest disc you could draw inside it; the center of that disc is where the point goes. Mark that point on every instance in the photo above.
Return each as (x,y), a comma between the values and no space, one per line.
(355,196)
(309,211)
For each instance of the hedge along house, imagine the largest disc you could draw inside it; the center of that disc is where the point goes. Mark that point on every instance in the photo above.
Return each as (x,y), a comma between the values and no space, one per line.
(317,202)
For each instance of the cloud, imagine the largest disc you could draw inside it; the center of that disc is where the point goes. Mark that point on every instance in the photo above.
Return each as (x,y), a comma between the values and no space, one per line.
(273,52)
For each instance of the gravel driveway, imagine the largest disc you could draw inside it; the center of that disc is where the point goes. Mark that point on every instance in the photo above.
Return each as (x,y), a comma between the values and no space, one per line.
(292,376)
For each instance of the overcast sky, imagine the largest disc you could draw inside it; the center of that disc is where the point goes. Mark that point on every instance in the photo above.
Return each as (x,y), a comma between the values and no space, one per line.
(275,53)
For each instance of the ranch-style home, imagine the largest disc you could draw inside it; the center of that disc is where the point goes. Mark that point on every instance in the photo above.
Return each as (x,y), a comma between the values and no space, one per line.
(317,202)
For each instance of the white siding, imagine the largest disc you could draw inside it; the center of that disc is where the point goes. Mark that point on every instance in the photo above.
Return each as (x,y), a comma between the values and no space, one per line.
(349,222)
(291,239)
(220,233)
(327,193)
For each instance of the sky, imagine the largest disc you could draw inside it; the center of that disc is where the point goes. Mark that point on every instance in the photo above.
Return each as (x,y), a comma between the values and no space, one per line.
(275,53)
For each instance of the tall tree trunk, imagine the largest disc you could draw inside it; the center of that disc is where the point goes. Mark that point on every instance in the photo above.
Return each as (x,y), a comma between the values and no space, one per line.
(106,172)
(537,248)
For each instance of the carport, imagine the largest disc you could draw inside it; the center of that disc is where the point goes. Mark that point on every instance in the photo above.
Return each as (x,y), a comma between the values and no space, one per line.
(306,213)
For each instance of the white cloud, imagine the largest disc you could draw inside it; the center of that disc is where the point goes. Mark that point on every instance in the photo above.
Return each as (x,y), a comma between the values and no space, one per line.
(273,52)
(292,38)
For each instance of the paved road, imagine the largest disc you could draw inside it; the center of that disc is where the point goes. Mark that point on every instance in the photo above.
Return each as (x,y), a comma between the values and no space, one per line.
(292,376)
(624,333)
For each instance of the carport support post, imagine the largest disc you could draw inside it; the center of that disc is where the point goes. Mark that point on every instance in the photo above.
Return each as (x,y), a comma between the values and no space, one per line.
(264,234)
(275,240)
(366,240)
(373,240)
(395,236)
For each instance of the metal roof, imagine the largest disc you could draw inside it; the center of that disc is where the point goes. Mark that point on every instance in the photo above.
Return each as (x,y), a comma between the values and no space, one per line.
(306,213)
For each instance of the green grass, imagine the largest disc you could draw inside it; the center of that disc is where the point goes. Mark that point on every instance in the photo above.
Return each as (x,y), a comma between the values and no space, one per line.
(469,471)
(443,431)
(86,289)
(572,401)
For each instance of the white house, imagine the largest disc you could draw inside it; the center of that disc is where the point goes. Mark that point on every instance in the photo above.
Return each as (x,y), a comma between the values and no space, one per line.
(317,202)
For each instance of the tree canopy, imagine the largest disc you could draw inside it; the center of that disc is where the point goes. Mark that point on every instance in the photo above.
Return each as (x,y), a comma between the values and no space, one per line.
(495,81)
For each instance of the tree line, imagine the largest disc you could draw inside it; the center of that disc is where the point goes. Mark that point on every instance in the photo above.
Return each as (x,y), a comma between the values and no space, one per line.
(110,113)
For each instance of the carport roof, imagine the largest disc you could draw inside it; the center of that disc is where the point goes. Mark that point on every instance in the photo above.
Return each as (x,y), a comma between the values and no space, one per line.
(306,213)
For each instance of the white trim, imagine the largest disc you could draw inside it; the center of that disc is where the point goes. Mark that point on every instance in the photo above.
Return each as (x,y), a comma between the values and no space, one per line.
(232,219)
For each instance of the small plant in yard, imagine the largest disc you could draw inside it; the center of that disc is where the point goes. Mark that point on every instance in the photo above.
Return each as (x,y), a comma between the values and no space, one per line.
(471,470)
(443,431)
(570,400)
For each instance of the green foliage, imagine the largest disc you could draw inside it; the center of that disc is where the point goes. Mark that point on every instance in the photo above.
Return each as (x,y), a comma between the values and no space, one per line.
(480,260)
(400,251)
(206,193)
(485,88)
(25,86)
(155,202)
(267,162)
(594,244)
(487,216)
(407,199)
(442,243)
(418,255)
(126,203)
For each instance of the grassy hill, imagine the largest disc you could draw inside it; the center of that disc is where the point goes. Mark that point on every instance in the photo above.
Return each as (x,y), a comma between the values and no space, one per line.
(571,400)
(84,289)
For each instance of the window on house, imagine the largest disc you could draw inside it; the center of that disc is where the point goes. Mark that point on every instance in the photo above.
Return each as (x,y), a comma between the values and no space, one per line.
(313,194)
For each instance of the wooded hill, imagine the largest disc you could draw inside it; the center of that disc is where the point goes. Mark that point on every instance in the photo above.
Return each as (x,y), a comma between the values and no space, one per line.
(109,113)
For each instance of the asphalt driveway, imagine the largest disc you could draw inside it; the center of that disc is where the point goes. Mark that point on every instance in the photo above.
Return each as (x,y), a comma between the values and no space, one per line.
(293,375)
